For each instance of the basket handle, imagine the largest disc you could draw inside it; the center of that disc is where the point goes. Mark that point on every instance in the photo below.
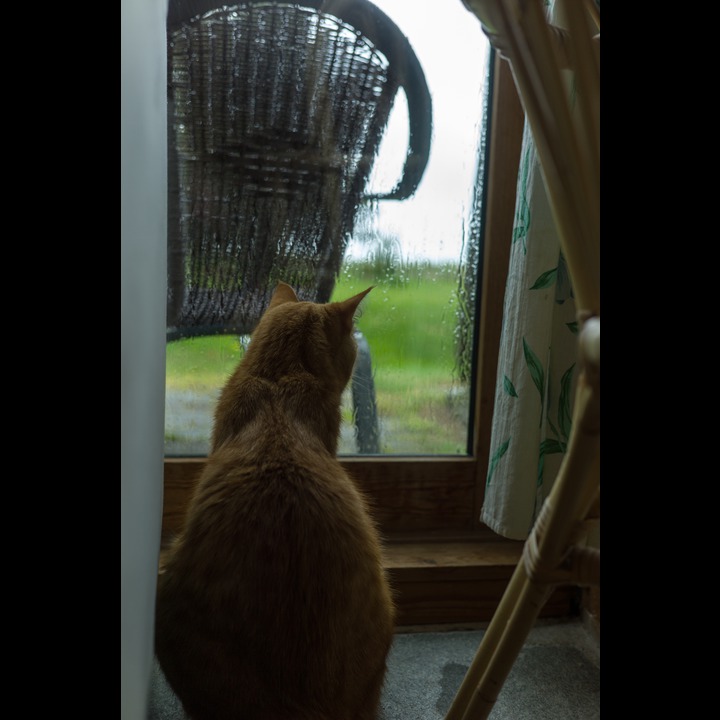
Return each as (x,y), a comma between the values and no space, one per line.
(407,72)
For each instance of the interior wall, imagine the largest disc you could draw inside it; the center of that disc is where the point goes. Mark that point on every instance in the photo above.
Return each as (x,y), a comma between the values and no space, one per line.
(143,283)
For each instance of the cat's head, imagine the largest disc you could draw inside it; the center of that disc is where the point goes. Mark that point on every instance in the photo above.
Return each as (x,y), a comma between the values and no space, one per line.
(297,335)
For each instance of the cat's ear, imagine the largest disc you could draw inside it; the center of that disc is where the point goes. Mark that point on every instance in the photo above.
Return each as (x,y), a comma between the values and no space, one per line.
(349,307)
(283,293)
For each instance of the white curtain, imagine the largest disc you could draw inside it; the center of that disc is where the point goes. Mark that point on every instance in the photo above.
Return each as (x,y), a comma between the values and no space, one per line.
(536,367)
(142,363)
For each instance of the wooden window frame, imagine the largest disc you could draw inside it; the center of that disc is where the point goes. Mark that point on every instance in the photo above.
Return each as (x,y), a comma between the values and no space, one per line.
(417,496)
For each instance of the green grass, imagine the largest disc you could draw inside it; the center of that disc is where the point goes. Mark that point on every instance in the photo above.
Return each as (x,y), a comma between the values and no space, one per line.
(201,364)
(409,322)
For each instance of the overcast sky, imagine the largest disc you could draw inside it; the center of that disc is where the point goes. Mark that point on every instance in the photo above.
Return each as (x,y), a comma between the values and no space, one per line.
(452,50)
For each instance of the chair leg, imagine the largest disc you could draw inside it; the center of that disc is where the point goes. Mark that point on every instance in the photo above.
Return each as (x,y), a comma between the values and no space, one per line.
(500,646)
(367,433)
(551,554)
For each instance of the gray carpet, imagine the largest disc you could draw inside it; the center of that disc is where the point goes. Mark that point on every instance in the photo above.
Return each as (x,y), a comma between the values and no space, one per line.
(555,677)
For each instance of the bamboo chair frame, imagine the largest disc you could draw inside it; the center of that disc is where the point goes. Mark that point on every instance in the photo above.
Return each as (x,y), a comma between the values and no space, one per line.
(568,146)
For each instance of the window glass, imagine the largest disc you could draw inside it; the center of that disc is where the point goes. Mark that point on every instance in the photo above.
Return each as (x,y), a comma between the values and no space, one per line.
(411,393)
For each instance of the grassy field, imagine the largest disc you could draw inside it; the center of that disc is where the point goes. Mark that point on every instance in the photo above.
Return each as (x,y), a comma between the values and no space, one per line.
(409,322)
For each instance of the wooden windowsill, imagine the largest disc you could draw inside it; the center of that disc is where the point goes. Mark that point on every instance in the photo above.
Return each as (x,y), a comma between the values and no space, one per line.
(448,581)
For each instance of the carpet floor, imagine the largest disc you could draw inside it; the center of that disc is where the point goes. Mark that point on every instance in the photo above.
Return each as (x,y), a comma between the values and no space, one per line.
(555,677)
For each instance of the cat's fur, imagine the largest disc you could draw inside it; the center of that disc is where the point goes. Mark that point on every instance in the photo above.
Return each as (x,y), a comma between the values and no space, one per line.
(273,604)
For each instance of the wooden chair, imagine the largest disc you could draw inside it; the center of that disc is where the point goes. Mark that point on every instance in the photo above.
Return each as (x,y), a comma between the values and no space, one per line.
(568,145)
(275,115)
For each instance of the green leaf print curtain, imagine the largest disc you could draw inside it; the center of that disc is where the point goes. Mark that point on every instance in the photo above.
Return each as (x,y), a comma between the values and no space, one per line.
(536,366)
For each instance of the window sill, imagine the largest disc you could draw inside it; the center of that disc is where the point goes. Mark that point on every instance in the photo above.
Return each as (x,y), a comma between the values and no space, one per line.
(447,581)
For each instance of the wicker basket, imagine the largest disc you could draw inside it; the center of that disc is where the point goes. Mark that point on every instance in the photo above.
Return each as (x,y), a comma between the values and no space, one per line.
(275,114)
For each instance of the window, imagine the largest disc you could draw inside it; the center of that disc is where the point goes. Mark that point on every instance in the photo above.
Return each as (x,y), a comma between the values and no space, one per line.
(429,473)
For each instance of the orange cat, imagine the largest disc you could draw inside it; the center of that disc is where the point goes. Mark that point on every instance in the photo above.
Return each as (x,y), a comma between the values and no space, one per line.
(274,604)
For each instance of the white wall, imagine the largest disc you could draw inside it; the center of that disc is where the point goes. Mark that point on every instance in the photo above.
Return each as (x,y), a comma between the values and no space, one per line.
(143,282)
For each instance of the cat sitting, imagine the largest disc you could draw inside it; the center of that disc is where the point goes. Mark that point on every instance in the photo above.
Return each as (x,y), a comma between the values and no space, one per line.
(273,604)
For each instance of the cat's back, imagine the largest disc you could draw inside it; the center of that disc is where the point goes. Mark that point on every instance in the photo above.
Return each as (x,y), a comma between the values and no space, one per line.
(276,484)
(281,564)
